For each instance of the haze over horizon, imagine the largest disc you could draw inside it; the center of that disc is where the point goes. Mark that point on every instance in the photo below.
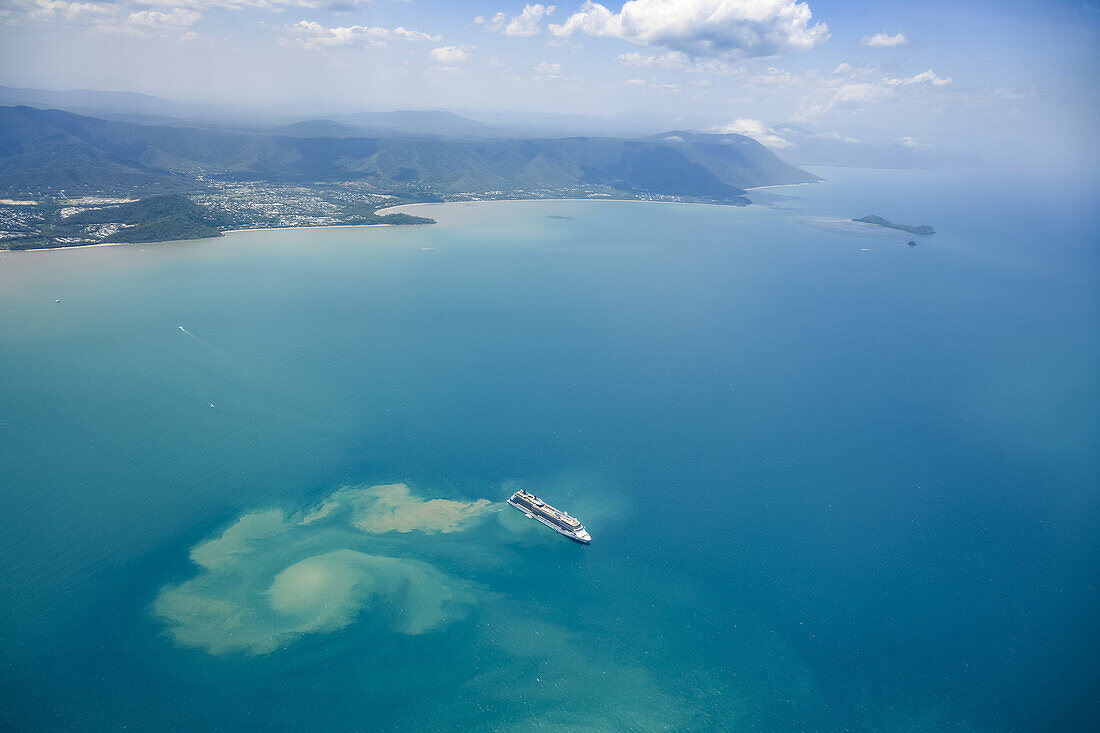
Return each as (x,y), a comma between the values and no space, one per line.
(1008,84)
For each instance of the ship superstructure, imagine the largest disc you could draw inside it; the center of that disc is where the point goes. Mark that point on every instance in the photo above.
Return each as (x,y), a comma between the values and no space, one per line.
(555,519)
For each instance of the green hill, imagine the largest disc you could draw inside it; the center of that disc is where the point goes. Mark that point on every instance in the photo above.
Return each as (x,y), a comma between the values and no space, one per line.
(154,219)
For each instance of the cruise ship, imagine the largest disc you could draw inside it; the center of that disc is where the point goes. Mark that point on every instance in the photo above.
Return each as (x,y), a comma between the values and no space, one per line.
(555,519)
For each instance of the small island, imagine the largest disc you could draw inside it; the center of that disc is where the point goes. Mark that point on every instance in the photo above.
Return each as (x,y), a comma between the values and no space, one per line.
(920,229)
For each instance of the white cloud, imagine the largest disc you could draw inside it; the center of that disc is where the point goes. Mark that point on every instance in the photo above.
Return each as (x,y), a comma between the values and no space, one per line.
(275,5)
(846,89)
(451,55)
(548,69)
(110,18)
(668,60)
(152,19)
(142,17)
(676,60)
(401,34)
(655,86)
(885,40)
(41,9)
(925,76)
(527,23)
(61,10)
(702,28)
(754,129)
(493,24)
(312,35)
(910,142)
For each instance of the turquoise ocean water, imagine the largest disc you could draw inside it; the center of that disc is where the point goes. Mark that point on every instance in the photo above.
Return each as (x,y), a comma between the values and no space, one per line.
(833,481)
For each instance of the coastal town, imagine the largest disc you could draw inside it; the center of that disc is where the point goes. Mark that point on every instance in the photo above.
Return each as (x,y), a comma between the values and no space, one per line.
(229,205)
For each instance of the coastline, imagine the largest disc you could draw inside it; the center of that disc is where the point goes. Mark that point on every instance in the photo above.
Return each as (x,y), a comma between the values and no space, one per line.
(489,201)
(595,198)
(311,226)
(202,239)
(396,207)
(783,185)
(97,244)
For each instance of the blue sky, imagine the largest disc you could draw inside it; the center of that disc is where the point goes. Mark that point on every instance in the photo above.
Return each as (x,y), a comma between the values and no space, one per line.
(947,74)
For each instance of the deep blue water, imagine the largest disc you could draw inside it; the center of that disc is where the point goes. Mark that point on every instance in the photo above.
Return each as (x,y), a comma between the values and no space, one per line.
(833,481)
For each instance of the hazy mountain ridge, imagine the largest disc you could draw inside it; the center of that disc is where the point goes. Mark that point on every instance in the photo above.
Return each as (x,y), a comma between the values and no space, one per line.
(129,106)
(496,123)
(45,151)
(797,145)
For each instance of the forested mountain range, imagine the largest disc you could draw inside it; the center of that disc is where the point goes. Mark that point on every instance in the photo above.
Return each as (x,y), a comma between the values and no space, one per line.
(47,152)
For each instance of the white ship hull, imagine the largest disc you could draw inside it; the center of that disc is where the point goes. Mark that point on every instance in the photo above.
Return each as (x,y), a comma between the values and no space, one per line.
(580,535)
